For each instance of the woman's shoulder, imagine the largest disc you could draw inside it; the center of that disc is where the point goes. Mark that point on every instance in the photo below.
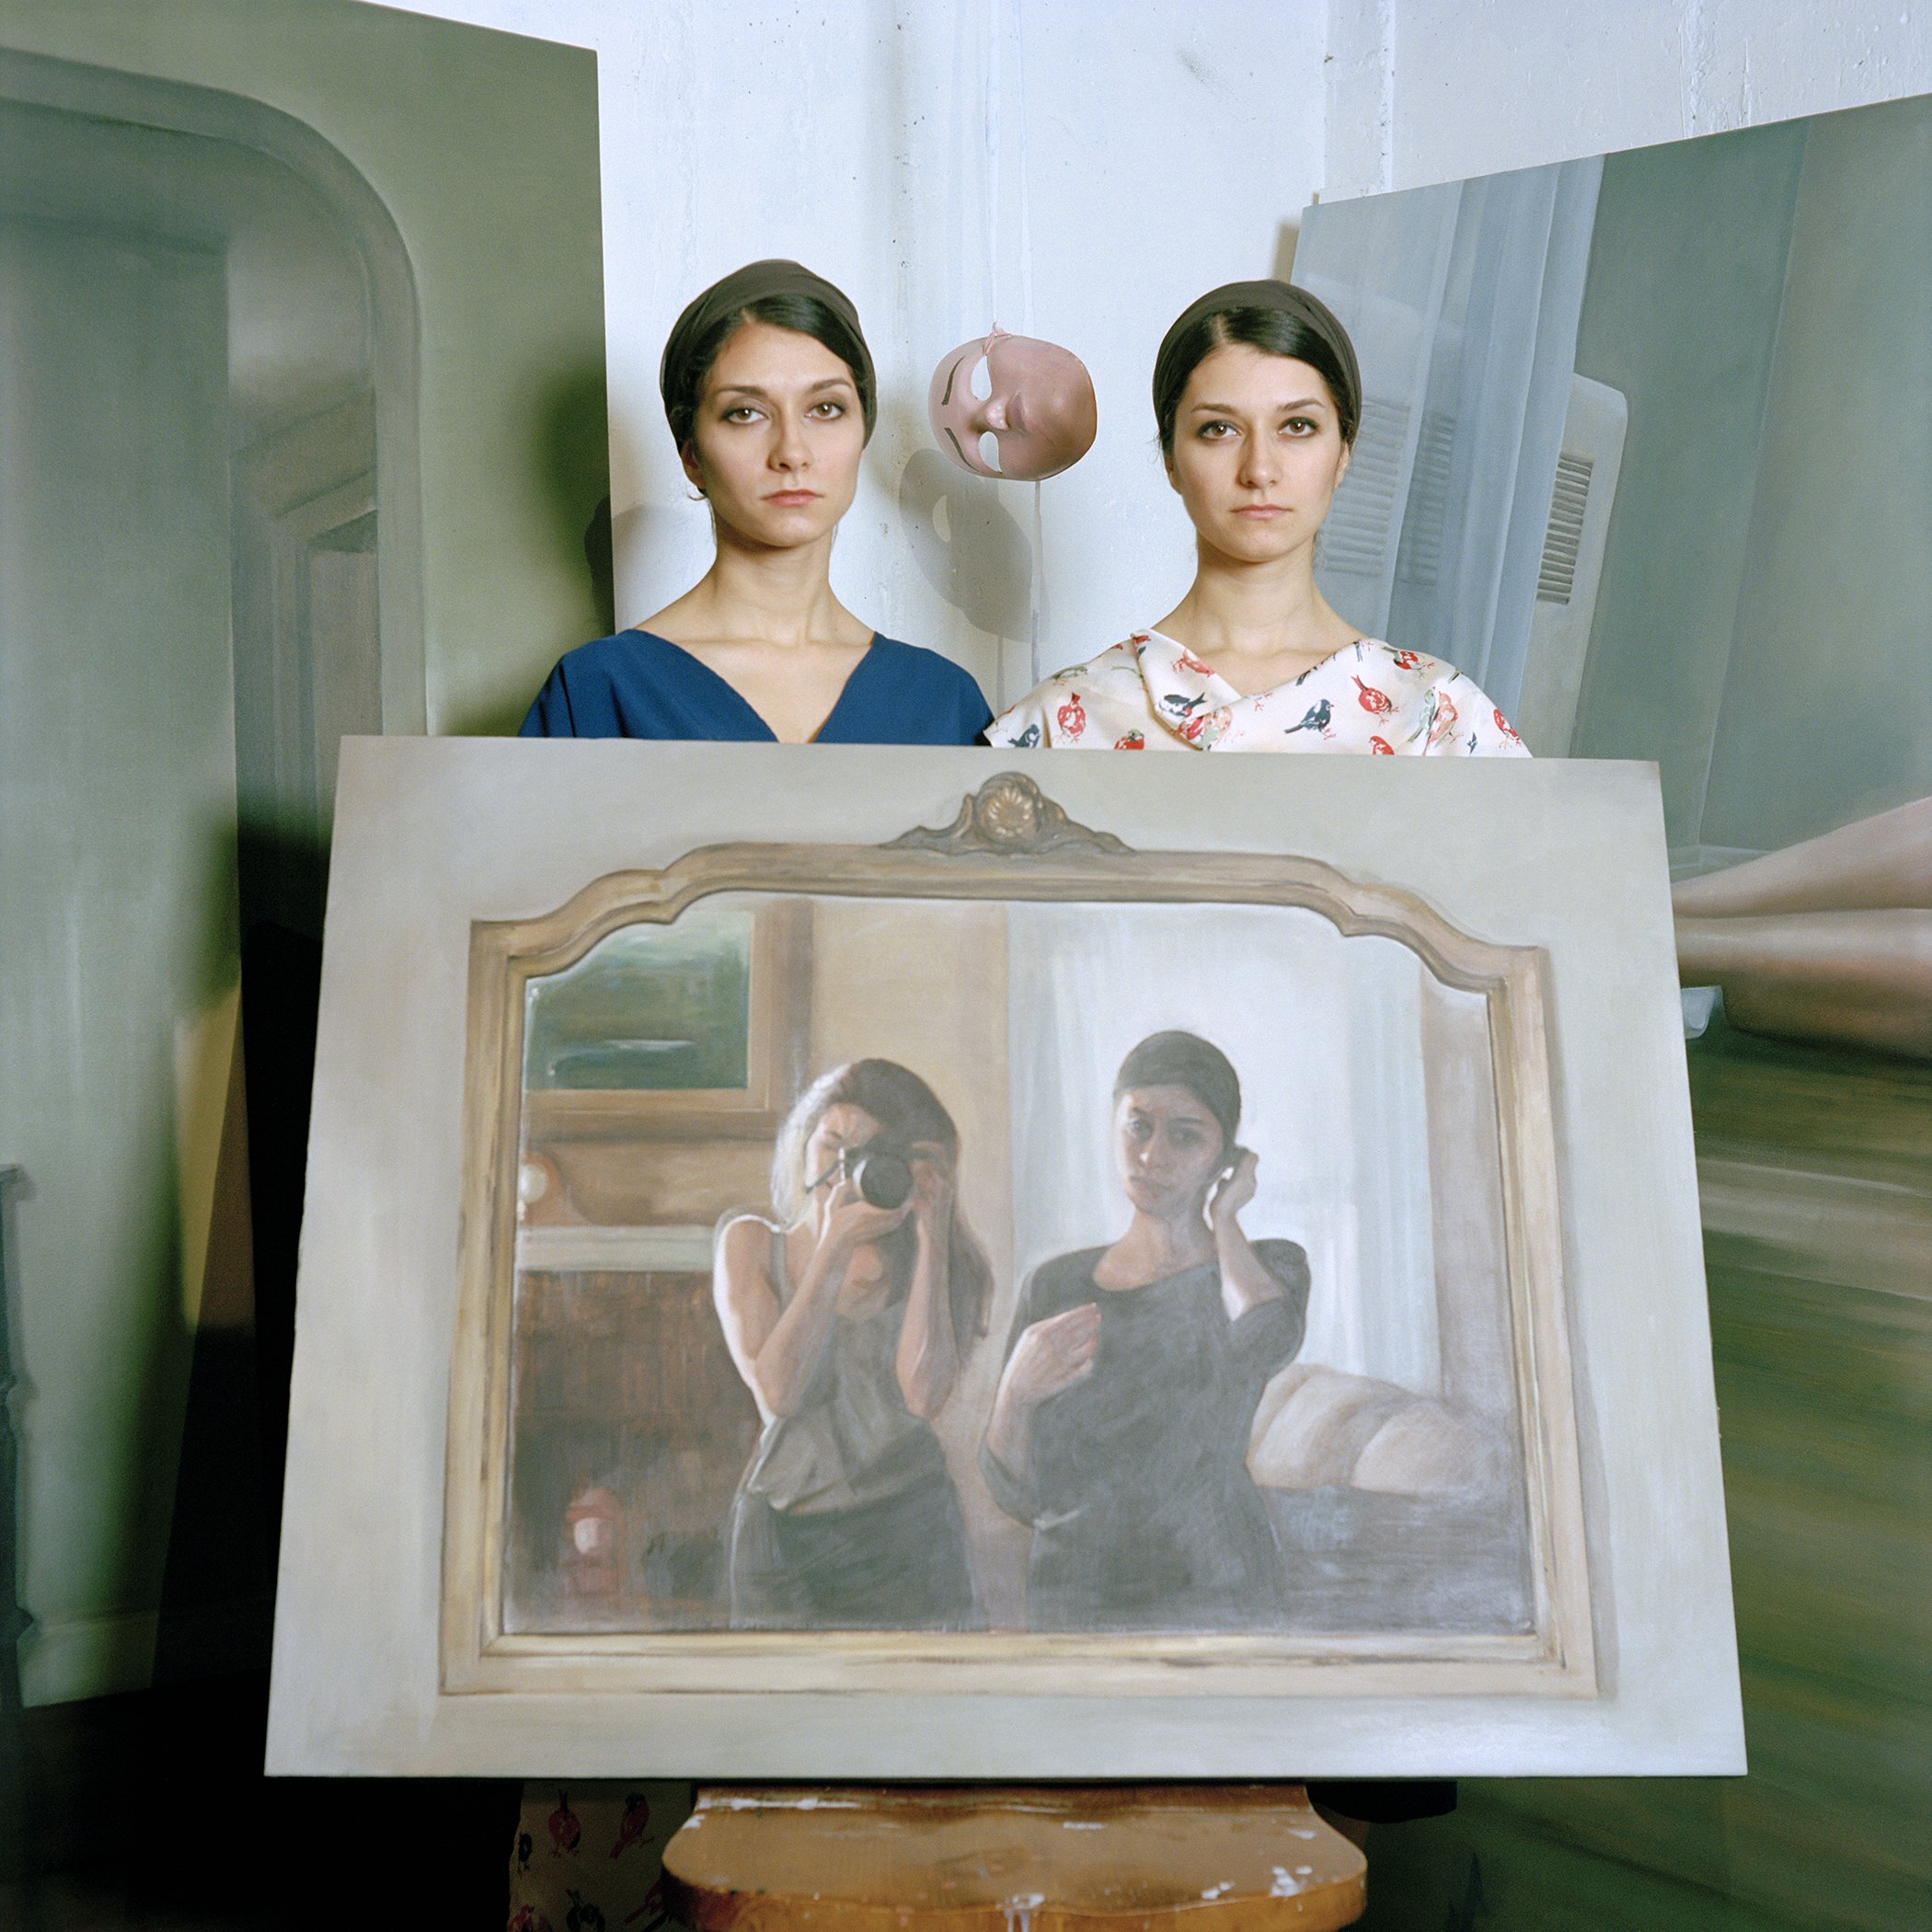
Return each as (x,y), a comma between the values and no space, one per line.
(942,698)
(1455,716)
(1052,712)
(1062,1280)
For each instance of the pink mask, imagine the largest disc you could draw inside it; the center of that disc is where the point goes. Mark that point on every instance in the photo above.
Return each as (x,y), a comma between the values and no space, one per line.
(1013,406)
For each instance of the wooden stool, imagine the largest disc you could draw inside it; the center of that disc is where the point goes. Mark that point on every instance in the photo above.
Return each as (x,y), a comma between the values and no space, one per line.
(1011,1859)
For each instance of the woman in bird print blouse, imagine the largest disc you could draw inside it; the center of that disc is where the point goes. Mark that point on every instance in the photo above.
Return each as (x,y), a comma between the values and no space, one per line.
(1258,398)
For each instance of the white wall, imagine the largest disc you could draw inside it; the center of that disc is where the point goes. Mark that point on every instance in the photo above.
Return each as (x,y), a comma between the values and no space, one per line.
(1438,90)
(1167,143)
(1170,145)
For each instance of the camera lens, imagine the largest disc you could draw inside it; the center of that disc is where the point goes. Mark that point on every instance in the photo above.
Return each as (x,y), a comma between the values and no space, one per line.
(884,1180)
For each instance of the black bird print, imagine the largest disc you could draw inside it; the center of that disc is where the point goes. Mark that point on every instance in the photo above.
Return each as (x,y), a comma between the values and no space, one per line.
(1316,720)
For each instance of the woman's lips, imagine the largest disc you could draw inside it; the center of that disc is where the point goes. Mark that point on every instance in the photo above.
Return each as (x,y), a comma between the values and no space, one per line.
(793,498)
(1262,512)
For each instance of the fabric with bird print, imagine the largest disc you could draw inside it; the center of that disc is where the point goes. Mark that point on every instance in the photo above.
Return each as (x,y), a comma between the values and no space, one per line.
(1149,693)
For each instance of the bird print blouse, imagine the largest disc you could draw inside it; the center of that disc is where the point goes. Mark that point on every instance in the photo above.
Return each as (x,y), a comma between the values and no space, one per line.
(1148,693)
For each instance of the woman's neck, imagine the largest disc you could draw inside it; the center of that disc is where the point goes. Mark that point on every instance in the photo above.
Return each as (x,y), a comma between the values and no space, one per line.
(753,594)
(1156,1245)
(1257,625)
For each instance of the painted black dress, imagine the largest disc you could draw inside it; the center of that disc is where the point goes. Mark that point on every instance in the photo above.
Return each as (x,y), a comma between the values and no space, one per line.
(1144,1514)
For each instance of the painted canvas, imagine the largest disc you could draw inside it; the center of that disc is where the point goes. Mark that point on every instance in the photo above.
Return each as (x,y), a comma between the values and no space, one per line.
(1119,1270)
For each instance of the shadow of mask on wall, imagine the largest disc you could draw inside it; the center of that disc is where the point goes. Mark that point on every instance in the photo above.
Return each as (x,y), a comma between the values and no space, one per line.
(968,545)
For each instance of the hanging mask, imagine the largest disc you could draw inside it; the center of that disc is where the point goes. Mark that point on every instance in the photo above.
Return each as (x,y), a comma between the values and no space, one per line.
(1013,406)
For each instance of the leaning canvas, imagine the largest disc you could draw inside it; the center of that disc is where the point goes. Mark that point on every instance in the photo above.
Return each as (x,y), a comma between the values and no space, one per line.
(887,1263)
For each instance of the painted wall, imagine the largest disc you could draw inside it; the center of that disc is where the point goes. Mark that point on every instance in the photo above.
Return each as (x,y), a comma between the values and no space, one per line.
(459,134)
(125,393)
(1827,708)
(1679,313)
(1758,299)
(119,922)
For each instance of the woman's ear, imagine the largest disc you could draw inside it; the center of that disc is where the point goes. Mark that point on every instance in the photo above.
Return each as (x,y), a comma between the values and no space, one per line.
(694,469)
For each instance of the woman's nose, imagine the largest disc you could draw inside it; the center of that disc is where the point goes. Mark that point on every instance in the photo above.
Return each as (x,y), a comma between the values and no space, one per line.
(790,452)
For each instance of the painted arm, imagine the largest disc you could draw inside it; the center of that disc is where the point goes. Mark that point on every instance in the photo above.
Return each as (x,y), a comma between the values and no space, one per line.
(776,1345)
(1245,1280)
(928,1361)
(1050,1356)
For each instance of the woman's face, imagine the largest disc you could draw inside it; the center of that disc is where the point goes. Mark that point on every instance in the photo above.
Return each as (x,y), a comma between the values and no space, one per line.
(779,436)
(1169,1148)
(1258,452)
(841,1127)
(1014,406)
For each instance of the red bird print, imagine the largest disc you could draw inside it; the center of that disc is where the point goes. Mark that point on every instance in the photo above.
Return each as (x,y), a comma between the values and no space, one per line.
(1072,717)
(1381,747)
(1371,700)
(653,1911)
(1132,741)
(1408,660)
(637,1816)
(1505,727)
(527,1918)
(1189,661)
(1444,719)
(565,1831)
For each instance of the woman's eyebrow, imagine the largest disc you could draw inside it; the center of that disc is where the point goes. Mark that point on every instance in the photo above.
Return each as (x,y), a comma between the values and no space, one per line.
(1301,402)
(950,375)
(763,395)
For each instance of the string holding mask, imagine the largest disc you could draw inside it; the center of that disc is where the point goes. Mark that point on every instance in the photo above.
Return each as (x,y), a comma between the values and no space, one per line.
(1012,407)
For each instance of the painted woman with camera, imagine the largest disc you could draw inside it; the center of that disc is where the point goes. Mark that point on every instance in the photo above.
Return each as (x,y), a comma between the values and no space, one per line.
(849,1314)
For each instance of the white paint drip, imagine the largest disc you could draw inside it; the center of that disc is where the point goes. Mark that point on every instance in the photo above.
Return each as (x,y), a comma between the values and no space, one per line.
(1285,1884)
(813,1802)
(1020,1910)
(1296,1831)
(1080,1824)
(1215,1891)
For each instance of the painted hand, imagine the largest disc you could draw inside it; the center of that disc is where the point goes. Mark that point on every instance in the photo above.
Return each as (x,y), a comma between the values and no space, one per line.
(1053,1355)
(1232,1192)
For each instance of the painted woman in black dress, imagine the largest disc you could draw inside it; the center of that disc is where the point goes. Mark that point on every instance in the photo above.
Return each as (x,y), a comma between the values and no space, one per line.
(1119,1430)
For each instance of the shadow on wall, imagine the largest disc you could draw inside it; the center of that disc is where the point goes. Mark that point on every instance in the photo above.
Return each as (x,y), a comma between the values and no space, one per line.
(968,544)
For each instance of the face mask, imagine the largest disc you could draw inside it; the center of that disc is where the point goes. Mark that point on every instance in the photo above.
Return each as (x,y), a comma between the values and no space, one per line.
(1013,406)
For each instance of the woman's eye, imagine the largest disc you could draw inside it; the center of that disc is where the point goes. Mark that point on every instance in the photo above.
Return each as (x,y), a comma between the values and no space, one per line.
(828,409)
(1299,426)
(1216,431)
(742,413)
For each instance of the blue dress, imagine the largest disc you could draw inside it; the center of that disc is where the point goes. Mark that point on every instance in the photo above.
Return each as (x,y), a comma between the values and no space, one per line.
(638,684)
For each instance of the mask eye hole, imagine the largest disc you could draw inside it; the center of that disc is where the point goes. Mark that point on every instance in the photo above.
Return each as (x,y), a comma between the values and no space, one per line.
(980,381)
(989,450)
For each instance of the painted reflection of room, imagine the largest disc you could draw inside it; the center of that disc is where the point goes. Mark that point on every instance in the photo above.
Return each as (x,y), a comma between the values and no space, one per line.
(1385,1428)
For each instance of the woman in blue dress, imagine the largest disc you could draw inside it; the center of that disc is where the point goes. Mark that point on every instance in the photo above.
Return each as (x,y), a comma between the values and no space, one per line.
(769,389)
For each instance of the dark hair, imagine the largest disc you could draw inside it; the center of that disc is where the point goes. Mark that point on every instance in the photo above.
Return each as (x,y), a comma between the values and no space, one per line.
(1305,329)
(683,374)
(1193,1064)
(907,1111)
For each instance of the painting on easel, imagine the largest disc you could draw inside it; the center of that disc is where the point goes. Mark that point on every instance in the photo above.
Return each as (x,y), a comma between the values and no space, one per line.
(1130,1272)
